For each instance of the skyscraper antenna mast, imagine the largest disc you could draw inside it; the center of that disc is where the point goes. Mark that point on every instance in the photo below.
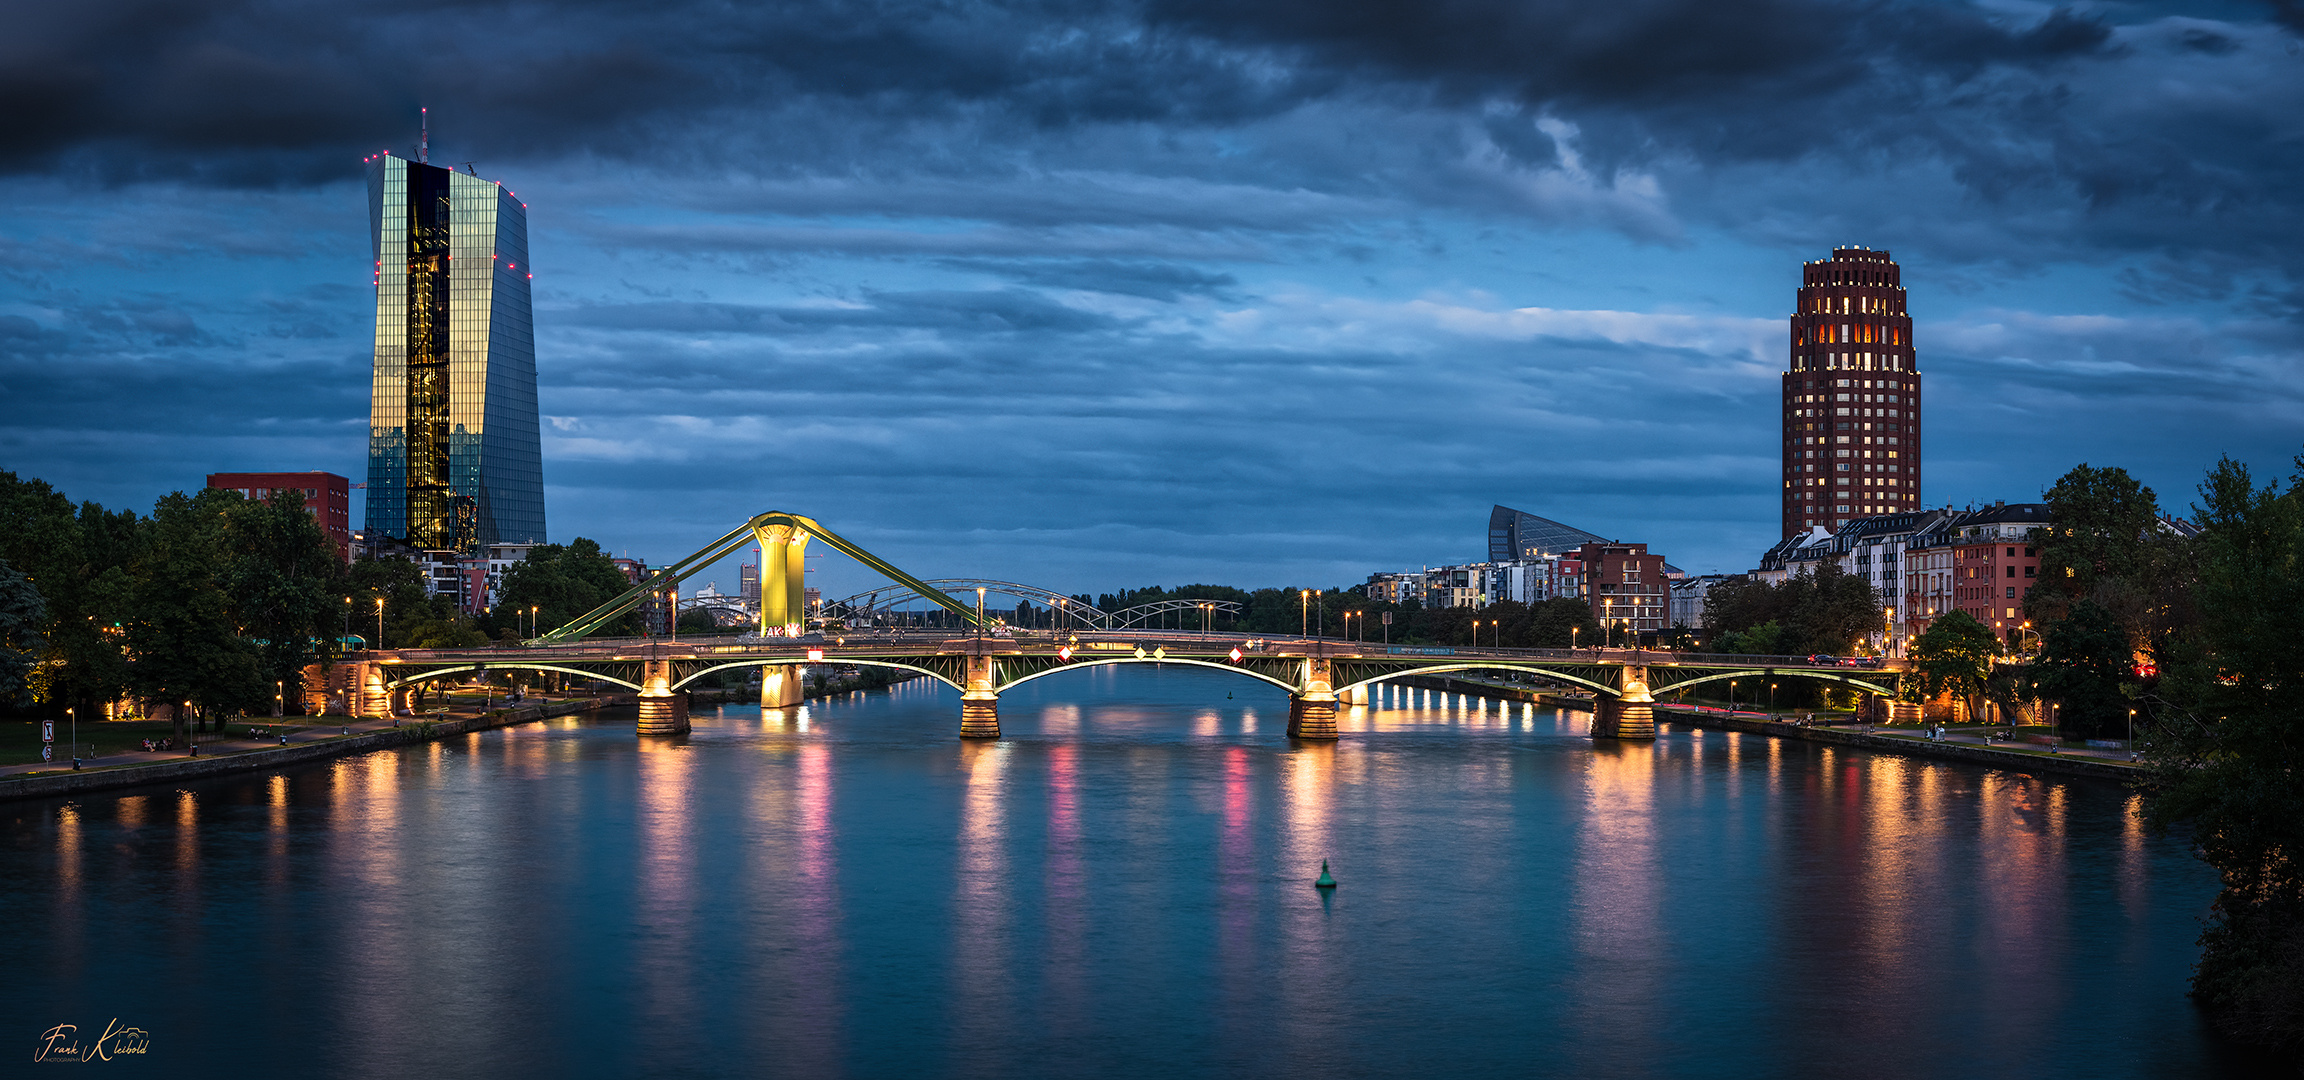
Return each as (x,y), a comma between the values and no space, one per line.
(424,134)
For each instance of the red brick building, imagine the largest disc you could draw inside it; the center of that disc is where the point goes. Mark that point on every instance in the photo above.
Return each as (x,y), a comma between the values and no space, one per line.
(1626,587)
(326,494)
(1851,395)
(1995,563)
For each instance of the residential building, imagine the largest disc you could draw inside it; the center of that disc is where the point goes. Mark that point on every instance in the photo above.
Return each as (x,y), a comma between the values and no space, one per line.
(326,494)
(1995,563)
(1626,586)
(1688,595)
(1852,397)
(454,448)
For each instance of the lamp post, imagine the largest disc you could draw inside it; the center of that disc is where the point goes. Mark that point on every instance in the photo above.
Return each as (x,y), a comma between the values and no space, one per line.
(1303,613)
(379,622)
(74,716)
(1572,632)
(533,628)
(1321,624)
(1608,619)
(979,614)
(347,623)
(279,697)
(1731,697)
(1771,699)
(2131,734)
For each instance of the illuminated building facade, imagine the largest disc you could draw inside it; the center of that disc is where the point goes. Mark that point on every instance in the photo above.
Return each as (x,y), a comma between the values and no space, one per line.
(1851,396)
(455,461)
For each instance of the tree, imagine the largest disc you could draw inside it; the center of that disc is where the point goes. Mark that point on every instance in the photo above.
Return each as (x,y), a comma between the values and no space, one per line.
(2106,544)
(188,647)
(2224,744)
(1824,611)
(563,582)
(77,560)
(282,575)
(1954,656)
(2083,662)
(22,614)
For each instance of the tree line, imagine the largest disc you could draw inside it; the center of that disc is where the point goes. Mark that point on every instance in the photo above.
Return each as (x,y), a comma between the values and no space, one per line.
(217,602)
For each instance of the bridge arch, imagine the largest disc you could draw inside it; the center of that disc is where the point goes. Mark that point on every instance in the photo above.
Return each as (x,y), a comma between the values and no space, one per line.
(1435,669)
(843,662)
(1774,673)
(427,676)
(1110,661)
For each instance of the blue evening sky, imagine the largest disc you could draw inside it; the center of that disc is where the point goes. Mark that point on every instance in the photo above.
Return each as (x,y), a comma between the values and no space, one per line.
(1102,295)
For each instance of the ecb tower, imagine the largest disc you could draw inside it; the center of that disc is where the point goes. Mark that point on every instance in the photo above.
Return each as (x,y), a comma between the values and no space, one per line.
(1851,395)
(454,454)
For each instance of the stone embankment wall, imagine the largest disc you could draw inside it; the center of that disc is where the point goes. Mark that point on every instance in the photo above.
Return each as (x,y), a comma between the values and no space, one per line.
(196,768)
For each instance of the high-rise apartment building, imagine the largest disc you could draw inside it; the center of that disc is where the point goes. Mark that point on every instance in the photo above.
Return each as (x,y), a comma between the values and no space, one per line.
(1851,395)
(454,448)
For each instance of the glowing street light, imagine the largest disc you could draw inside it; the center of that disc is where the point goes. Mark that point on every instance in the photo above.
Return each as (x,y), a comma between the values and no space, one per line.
(379,622)
(1304,613)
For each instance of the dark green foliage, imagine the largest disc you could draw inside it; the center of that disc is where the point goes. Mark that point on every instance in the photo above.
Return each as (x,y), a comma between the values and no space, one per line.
(1954,656)
(77,559)
(2224,747)
(1823,612)
(563,582)
(182,627)
(2084,661)
(22,615)
(283,575)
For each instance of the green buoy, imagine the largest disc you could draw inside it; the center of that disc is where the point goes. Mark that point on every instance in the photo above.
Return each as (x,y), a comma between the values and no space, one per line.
(1324,881)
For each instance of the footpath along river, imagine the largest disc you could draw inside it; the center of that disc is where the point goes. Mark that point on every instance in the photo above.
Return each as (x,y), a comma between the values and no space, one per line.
(1121,887)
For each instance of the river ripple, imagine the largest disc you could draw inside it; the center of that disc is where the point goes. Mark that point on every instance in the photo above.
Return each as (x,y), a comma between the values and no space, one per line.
(1121,887)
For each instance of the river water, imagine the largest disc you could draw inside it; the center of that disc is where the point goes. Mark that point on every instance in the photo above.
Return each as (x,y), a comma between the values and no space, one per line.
(1121,887)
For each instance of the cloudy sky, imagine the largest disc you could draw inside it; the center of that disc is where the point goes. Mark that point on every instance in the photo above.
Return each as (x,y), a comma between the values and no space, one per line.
(1100,295)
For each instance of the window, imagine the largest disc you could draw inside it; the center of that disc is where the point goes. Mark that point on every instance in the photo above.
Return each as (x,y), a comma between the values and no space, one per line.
(2011,571)
(2031,571)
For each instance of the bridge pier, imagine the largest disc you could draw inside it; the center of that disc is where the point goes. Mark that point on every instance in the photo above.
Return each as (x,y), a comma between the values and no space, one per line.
(1630,716)
(1357,695)
(400,702)
(1312,713)
(663,710)
(980,703)
(780,686)
(369,698)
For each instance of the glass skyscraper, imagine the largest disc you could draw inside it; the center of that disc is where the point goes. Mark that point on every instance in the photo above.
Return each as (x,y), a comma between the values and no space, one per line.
(455,460)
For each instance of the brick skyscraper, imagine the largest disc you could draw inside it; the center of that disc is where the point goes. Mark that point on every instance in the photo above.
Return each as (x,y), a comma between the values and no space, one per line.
(1851,395)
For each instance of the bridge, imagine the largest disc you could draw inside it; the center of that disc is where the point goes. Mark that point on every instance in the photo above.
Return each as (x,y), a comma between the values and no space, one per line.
(1320,675)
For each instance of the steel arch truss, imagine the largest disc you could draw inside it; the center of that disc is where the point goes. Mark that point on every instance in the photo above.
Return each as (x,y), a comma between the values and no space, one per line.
(1279,672)
(625,674)
(1132,618)
(943,673)
(1601,678)
(887,599)
(1662,679)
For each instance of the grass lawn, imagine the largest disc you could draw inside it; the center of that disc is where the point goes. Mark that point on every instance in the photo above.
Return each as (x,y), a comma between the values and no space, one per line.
(20,740)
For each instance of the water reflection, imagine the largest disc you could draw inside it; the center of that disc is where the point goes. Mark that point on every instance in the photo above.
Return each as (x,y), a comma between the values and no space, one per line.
(1122,888)
(982,996)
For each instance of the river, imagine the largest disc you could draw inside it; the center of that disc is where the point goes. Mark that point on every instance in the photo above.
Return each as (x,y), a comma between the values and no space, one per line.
(1120,887)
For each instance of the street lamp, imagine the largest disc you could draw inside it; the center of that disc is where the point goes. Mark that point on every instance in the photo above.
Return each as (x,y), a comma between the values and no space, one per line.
(73,716)
(2131,734)
(1608,619)
(379,622)
(1572,632)
(1731,697)
(1303,613)
(347,622)
(533,628)
(1771,698)
(979,613)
